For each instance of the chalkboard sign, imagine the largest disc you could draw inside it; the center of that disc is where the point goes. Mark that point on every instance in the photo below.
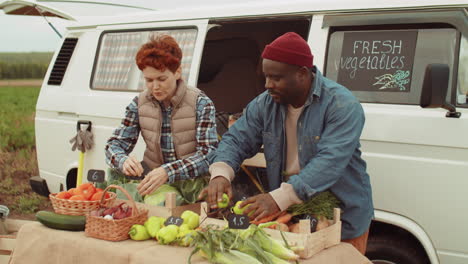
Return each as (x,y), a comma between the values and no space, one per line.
(172,220)
(96,175)
(313,222)
(236,221)
(377,61)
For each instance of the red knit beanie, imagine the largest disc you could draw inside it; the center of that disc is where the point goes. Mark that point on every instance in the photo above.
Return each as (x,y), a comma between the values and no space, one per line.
(289,48)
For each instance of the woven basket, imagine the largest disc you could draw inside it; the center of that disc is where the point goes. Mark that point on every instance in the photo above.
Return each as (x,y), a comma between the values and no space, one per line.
(75,207)
(115,230)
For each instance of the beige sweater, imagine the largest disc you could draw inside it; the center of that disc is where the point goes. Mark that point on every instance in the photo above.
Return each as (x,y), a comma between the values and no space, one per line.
(285,195)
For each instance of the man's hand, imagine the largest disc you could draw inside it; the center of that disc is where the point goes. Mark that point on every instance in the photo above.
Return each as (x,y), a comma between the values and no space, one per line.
(132,167)
(261,205)
(152,181)
(214,192)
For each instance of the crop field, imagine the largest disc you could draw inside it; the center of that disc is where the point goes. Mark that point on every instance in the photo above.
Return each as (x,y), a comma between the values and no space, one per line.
(18,160)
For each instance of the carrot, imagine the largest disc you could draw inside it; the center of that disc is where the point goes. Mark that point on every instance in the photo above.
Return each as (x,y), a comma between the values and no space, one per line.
(268,218)
(279,226)
(294,228)
(284,218)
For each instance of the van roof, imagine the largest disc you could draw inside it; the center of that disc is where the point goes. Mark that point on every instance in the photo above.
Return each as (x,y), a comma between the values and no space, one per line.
(262,8)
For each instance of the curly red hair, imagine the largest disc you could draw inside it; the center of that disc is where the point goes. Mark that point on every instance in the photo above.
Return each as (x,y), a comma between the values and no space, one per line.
(161,52)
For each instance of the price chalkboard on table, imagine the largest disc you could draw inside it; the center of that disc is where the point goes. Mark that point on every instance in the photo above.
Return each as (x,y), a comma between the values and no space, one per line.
(236,221)
(173,220)
(96,175)
(313,222)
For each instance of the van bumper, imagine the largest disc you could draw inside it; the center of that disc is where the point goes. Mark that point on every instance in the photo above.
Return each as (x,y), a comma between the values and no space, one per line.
(39,186)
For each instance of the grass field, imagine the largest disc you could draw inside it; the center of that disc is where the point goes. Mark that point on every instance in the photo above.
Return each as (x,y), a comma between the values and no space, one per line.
(18,160)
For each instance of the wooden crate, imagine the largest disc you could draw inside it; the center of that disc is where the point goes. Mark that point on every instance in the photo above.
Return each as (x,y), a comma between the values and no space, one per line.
(170,208)
(316,241)
(311,242)
(7,242)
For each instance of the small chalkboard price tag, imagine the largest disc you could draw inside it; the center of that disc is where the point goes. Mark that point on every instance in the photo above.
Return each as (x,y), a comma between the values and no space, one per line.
(238,221)
(313,222)
(173,220)
(96,175)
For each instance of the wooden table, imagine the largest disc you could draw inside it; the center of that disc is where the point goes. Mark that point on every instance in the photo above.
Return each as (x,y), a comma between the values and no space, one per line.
(38,244)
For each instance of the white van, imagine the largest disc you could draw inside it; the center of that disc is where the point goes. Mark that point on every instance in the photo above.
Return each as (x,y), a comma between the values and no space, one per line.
(417,158)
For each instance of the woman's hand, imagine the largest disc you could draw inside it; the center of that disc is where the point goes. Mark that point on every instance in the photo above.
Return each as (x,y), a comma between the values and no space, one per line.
(132,167)
(152,181)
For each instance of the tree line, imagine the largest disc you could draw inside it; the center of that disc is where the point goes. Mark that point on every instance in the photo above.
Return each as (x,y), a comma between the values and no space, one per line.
(32,65)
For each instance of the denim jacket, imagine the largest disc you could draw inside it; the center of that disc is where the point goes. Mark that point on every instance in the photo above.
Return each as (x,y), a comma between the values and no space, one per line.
(328,132)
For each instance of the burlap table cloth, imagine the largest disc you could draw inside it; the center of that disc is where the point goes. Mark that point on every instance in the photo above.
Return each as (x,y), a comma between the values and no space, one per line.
(36,243)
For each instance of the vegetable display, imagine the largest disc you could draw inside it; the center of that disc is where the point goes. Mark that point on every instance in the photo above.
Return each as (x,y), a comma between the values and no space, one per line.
(154,228)
(251,245)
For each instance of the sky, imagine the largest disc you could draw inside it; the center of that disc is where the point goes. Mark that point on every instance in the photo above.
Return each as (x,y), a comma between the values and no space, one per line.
(28,33)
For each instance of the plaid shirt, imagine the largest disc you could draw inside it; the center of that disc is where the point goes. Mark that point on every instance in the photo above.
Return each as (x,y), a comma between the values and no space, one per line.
(126,135)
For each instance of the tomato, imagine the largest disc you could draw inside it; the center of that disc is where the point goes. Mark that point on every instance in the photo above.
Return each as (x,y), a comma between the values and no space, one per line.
(78,197)
(63,195)
(97,196)
(72,191)
(87,190)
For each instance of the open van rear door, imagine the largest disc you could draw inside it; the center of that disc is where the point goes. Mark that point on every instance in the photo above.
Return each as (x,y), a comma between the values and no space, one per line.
(32,8)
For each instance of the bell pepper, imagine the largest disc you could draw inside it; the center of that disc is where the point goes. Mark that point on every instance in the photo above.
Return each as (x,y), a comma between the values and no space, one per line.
(167,234)
(238,210)
(138,232)
(225,202)
(190,218)
(153,224)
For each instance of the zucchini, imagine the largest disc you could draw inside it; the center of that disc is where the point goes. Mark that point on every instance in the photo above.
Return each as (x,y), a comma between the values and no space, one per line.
(62,222)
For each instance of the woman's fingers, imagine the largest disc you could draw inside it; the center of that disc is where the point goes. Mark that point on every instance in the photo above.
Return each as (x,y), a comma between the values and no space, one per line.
(135,166)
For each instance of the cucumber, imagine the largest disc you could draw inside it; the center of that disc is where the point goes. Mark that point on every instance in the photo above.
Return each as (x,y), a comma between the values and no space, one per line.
(62,222)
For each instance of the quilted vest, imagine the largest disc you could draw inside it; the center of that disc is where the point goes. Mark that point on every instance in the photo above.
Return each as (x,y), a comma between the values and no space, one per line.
(183,124)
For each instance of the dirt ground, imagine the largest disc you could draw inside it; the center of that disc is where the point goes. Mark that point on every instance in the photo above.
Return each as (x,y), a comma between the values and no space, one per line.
(21,178)
(23,82)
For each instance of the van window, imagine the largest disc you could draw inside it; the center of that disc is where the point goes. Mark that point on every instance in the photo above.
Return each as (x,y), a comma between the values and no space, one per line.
(115,68)
(388,65)
(230,69)
(462,95)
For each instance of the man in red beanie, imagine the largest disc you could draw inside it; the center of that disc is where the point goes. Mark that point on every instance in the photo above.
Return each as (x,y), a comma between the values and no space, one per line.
(310,128)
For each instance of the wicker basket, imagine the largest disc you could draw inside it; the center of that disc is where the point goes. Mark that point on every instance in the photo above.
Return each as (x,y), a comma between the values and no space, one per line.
(75,207)
(115,230)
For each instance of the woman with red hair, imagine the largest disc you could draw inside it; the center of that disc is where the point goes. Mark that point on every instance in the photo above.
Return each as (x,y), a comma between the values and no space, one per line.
(176,121)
